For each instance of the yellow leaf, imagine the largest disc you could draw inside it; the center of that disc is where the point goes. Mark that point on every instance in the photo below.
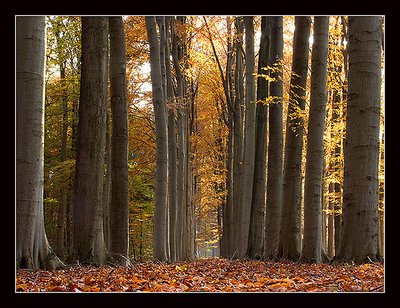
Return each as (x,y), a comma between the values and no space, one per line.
(181,268)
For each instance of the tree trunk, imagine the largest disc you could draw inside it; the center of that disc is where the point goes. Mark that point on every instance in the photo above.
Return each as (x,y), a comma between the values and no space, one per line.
(172,159)
(249,132)
(161,198)
(231,209)
(359,241)
(237,117)
(88,240)
(324,206)
(119,208)
(312,238)
(184,231)
(180,84)
(230,219)
(275,147)
(292,188)
(107,184)
(255,248)
(163,45)
(32,248)
(189,174)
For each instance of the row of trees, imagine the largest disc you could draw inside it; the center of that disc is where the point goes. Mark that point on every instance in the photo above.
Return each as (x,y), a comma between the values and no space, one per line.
(174,215)
(88,244)
(263,216)
(61,118)
(228,138)
(98,214)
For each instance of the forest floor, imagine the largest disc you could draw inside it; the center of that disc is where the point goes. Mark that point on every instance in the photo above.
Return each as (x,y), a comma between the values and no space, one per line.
(207,275)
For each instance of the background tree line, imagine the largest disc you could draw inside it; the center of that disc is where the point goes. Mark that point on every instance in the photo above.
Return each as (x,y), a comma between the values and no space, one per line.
(252,141)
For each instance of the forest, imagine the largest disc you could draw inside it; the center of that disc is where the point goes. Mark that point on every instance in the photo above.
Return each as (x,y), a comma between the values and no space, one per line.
(197,153)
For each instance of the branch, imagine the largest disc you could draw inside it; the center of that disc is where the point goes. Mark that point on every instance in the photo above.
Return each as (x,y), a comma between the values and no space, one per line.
(224,83)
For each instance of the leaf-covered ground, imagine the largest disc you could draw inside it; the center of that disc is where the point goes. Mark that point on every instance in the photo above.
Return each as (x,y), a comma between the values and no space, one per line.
(207,275)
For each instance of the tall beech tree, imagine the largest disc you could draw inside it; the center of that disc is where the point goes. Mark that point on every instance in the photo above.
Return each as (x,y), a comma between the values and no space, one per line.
(237,138)
(185,224)
(255,246)
(162,31)
(32,248)
(178,62)
(275,145)
(250,126)
(119,208)
(172,158)
(88,240)
(359,242)
(161,198)
(312,249)
(107,183)
(290,243)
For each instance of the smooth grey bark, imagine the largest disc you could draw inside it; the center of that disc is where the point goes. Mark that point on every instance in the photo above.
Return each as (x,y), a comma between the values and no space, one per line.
(161,198)
(161,22)
(107,184)
(88,240)
(290,242)
(237,159)
(275,147)
(229,81)
(185,223)
(190,225)
(229,211)
(249,130)
(172,158)
(360,235)
(189,217)
(255,245)
(162,33)
(119,208)
(177,53)
(324,203)
(228,117)
(32,248)
(312,249)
